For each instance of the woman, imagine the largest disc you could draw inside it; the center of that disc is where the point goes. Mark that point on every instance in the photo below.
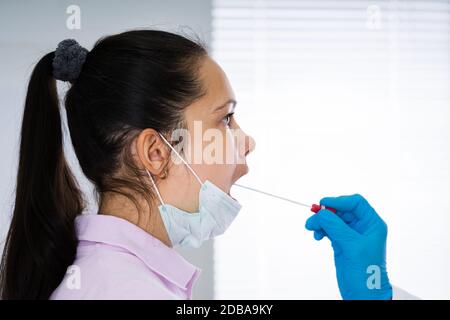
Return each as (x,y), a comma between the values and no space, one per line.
(128,96)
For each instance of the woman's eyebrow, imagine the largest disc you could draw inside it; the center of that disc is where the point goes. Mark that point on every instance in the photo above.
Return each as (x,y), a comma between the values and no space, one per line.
(232,101)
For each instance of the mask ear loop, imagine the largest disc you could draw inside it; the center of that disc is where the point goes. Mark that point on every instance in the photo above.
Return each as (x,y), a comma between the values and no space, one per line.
(181,158)
(155,187)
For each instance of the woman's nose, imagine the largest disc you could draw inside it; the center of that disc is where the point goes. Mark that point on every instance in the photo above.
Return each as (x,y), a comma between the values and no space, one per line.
(250,144)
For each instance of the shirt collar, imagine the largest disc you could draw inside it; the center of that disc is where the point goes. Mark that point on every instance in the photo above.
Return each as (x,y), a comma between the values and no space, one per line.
(160,258)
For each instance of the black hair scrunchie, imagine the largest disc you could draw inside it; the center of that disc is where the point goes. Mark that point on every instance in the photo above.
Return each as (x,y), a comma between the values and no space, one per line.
(68,61)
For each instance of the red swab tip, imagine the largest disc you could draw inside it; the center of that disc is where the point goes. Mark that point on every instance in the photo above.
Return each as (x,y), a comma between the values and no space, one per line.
(316,207)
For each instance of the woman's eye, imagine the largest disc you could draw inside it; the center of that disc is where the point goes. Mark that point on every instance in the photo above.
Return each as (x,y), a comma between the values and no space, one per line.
(227,118)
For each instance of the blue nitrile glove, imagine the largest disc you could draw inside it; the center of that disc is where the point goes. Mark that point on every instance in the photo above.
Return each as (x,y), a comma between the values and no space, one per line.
(358,237)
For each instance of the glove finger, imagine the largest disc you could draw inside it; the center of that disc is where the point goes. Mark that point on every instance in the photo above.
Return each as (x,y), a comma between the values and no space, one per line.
(335,228)
(319,234)
(312,224)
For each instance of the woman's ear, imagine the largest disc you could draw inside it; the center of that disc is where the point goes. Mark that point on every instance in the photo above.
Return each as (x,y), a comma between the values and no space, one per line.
(152,151)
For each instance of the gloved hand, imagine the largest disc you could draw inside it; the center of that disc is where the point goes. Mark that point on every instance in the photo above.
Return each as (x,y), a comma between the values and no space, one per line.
(358,237)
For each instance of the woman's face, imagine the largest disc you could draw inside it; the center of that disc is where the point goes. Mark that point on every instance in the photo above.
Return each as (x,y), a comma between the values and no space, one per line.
(213,144)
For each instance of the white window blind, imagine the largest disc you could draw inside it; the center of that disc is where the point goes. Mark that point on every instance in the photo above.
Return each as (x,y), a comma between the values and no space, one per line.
(341,97)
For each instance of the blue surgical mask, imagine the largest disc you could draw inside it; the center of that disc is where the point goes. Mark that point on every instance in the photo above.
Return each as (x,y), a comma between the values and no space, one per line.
(215,213)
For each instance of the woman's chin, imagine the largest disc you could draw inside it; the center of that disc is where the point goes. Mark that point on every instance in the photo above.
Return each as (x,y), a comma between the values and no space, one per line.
(242,173)
(232,196)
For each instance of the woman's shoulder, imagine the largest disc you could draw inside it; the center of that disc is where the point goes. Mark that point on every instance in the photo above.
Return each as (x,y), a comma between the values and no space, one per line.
(112,273)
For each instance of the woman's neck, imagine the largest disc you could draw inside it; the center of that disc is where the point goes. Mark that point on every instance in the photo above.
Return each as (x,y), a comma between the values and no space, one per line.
(148,218)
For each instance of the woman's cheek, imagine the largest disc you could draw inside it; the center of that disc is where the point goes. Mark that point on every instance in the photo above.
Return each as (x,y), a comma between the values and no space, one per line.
(231,147)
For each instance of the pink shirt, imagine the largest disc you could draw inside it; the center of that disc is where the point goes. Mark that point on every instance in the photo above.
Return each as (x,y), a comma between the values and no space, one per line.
(118,260)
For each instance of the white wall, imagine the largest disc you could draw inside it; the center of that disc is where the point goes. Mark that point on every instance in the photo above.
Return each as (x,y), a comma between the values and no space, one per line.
(339,103)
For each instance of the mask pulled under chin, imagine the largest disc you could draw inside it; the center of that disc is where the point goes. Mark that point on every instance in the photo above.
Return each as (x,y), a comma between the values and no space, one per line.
(216,212)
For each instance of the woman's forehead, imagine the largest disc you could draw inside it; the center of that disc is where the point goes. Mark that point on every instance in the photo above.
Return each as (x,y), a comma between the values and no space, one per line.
(216,83)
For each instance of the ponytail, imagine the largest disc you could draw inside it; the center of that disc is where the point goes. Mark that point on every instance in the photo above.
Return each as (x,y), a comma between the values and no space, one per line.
(41,241)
